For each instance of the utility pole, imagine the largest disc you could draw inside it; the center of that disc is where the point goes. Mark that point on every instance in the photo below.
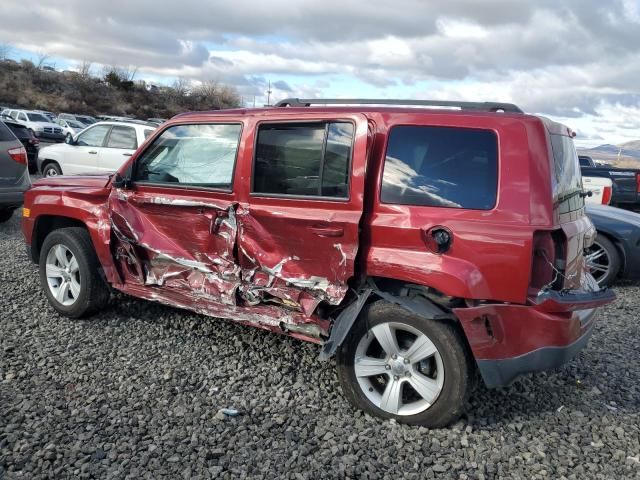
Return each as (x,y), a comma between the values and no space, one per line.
(269,94)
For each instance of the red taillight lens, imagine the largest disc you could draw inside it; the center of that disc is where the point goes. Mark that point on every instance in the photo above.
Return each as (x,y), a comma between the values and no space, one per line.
(18,155)
(606,195)
(638,182)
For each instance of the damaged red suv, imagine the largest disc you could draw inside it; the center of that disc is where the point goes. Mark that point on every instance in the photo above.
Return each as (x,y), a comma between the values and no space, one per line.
(417,244)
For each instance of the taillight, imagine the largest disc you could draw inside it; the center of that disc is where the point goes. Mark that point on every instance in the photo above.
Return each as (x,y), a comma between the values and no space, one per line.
(18,154)
(638,182)
(606,195)
(544,253)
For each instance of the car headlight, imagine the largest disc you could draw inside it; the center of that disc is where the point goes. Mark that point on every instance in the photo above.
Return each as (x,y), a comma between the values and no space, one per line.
(39,129)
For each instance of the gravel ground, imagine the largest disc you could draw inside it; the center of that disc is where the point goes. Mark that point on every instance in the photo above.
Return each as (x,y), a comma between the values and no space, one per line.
(136,392)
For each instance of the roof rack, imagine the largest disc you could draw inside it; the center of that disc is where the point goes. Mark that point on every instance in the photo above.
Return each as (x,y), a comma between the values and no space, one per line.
(478,106)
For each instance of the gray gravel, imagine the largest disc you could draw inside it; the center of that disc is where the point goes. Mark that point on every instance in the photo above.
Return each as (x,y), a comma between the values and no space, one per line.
(136,392)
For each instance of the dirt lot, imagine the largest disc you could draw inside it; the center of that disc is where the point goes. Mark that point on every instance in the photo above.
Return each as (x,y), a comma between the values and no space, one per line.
(136,391)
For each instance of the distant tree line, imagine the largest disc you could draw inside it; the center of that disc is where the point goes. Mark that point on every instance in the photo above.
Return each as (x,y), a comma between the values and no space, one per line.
(115,91)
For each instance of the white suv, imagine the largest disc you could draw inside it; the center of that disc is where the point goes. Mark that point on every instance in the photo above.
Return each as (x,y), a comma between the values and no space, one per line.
(37,122)
(99,149)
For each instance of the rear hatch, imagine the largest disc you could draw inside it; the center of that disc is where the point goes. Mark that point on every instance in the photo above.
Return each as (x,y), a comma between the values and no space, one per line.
(13,166)
(575,231)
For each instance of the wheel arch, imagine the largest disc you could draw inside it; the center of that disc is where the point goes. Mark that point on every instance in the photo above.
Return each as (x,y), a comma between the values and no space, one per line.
(44,225)
(48,160)
(420,300)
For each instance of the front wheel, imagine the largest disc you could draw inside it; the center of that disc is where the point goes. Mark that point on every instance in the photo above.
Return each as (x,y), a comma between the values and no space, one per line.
(395,364)
(51,170)
(70,273)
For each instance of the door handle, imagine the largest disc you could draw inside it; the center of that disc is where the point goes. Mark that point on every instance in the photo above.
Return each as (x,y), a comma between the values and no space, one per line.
(127,154)
(327,231)
(92,152)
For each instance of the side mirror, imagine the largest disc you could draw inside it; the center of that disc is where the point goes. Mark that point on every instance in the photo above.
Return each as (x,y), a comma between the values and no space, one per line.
(69,140)
(121,182)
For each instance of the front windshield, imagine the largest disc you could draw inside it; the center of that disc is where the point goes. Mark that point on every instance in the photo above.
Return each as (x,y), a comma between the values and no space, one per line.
(36,117)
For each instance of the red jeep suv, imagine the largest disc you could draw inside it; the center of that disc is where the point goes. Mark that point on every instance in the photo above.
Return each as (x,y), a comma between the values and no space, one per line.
(417,241)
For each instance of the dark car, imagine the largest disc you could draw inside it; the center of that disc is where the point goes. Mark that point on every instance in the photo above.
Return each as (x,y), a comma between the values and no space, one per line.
(616,250)
(30,142)
(14,177)
(626,182)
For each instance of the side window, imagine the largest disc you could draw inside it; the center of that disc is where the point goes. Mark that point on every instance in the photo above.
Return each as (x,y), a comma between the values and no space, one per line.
(441,167)
(147,133)
(122,137)
(22,116)
(307,159)
(197,155)
(94,137)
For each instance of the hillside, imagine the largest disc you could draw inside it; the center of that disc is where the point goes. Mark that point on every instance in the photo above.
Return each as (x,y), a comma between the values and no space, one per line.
(626,155)
(24,85)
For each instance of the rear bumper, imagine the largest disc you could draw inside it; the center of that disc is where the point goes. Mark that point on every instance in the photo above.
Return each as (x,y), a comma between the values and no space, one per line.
(501,372)
(508,341)
(58,137)
(11,199)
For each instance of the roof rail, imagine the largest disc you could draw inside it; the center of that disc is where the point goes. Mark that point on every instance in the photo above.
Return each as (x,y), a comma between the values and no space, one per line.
(478,106)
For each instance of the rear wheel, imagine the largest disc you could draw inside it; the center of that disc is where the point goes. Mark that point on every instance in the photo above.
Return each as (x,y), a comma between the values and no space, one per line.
(397,365)
(51,169)
(6,214)
(603,260)
(69,273)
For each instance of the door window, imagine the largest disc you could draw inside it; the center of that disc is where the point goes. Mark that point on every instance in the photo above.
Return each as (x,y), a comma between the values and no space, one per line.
(22,116)
(197,155)
(304,159)
(122,137)
(94,137)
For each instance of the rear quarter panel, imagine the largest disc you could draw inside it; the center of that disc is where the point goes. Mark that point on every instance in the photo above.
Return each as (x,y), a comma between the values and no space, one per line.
(490,257)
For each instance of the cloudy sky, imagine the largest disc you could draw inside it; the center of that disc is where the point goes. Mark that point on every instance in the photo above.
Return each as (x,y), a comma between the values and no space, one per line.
(574,60)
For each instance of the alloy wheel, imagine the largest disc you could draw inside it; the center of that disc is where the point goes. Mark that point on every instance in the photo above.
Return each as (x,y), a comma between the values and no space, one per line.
(63,275)
(399,368)
(598,261)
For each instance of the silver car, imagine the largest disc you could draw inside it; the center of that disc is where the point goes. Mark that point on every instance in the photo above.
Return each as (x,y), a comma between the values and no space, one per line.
(14,176)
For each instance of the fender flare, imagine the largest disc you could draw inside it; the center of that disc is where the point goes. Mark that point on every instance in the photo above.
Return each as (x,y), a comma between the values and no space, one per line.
(344,321)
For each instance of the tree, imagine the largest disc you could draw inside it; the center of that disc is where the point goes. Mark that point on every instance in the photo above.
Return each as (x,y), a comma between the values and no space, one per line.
(41,59)
(84,70)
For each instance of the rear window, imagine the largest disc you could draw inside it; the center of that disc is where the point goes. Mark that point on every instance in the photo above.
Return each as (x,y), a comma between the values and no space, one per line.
(567,179)
(5,133)
(441,167)
(20,131)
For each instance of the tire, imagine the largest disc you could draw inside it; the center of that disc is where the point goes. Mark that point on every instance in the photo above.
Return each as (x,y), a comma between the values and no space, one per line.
(91,293)
(68,137)
(604,261)
(6,214)
(449,373)
(51,169)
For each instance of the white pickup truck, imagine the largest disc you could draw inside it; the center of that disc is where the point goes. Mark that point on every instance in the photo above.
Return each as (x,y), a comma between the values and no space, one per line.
(601,189)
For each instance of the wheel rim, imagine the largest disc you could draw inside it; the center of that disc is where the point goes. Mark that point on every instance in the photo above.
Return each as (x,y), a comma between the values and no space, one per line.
(63,275)
(51,172)
(598,262)
(399,368)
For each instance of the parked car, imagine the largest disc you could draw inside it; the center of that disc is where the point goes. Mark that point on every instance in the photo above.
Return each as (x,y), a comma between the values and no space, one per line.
(39,124)
(50,115)
(101,148)
(416,244)
(616,250)
(28,140)
(599,190)
(156,121)
(70,128)
(626,182)
(86,120)
(14,176)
